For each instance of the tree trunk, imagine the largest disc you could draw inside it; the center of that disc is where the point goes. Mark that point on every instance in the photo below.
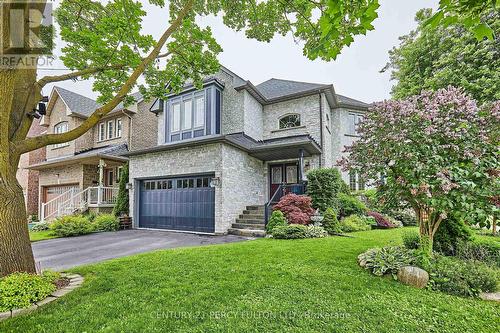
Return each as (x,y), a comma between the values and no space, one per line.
(428,224)
(494,231)
(15,246)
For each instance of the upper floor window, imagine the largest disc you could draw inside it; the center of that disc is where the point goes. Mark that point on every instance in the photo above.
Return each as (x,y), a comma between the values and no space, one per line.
(110,129)
(289,121)
(354,120)
(62,127)
(356,182)
(193,114)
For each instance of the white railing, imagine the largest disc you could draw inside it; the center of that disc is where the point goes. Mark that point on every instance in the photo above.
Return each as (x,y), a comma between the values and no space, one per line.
(72,201)
(53,208)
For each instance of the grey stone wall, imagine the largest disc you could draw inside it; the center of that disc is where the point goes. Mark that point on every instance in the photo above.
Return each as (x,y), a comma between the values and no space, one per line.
(253,117)
(242,176)
(307,107)
(144,128)
(243,184)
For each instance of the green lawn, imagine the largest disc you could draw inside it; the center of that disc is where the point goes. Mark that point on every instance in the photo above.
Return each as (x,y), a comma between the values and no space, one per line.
(257,286)
(36,236)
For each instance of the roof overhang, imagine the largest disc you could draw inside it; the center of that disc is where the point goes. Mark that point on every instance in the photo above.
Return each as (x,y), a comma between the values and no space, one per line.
(268,150)
(87,159)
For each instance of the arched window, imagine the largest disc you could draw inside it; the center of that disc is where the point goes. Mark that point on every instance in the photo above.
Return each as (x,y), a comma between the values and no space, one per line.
(59,128)
(290,121)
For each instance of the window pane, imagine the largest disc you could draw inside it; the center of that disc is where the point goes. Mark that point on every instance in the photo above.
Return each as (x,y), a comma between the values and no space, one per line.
(187,120)
(199,120)
(179,183)
(118,128)
(110,129)
(352,180)
(206,182)
(291,174)
(199,182)
(276,176)
(169,184)
(102,131)
(175,124)
(289,121)
(191,183)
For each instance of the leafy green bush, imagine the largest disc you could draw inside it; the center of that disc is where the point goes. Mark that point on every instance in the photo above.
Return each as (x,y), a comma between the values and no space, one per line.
(68,226)
(313,231)
(452,231)
(40,226)
(350,205)
(90,215)
(485,251)
(21,290)
(406,217)
(411,239)
(387,260)
(277,219)
(122,201)
(462,277)
(291,231)
(106,222)
(355,223)
(330,222)
(323,187)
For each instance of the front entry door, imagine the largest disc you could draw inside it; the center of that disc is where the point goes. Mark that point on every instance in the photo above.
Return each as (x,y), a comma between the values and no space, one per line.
(286,173)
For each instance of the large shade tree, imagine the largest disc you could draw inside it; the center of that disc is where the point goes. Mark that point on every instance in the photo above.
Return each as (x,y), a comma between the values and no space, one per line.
(437,151)
(434,57)
(104,41)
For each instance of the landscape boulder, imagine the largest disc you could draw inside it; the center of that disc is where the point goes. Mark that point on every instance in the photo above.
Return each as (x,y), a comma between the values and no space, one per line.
(413,276)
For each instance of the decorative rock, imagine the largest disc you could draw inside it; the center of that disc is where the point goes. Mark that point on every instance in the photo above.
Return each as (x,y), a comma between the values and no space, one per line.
(413,276)
(60,292)
(490,296)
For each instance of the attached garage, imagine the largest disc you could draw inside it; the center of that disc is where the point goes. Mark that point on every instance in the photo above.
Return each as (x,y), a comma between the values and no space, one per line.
(184,204)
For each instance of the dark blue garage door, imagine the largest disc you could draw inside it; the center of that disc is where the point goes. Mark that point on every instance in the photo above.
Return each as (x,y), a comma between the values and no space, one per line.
(186,204)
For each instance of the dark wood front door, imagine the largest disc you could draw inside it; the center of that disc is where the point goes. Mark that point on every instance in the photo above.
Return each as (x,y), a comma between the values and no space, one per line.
(284,173)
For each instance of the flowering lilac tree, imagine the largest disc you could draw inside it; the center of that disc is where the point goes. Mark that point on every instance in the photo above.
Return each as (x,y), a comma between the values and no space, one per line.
(437,152)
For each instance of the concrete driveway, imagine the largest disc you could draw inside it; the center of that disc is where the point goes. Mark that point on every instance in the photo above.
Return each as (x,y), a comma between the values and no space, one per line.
(63,253)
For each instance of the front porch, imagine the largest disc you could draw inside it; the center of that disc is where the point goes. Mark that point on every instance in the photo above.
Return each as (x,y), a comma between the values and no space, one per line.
(77,184)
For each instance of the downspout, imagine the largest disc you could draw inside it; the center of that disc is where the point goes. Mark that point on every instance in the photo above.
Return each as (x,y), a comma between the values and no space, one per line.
(320,127)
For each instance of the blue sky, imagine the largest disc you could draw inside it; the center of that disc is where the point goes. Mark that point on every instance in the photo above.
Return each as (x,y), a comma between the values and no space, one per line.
(355,73)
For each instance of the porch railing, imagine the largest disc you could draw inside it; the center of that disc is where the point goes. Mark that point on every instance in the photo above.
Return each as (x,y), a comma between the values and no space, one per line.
(72,201)
(282,190)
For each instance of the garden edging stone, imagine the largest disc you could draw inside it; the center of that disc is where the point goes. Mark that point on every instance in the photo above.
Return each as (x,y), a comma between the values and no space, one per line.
(75,281)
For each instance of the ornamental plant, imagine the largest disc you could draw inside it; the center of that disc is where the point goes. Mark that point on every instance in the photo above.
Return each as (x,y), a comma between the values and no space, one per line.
(324,186)
(296,208)
(122,201)
(438,152)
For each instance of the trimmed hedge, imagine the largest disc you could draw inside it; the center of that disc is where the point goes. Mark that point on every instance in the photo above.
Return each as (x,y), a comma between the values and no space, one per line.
(106,222)
(323,186)
(68,226)
(277,219)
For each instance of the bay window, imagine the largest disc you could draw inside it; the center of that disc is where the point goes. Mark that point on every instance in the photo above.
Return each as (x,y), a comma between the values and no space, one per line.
(193,114)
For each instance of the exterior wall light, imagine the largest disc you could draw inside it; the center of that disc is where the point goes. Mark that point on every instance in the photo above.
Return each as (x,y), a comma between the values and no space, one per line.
(215,182)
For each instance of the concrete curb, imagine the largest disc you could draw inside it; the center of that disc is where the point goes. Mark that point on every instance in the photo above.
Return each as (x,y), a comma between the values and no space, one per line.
(75,281)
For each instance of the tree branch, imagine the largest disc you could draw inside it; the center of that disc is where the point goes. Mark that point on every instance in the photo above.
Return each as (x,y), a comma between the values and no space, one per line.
(44,140)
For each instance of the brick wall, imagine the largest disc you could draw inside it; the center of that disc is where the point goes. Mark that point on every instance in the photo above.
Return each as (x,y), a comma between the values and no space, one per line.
(144,128)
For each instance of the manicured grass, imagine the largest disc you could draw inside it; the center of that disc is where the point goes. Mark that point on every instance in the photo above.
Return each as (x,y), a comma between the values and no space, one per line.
(36,236)
(265,285)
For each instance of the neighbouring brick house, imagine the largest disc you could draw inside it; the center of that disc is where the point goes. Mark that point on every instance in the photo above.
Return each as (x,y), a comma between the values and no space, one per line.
(28,179)
(225,152)
(84,173)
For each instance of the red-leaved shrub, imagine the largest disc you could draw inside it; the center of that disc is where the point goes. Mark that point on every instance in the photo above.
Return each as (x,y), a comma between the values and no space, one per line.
(297,208)
(382,221)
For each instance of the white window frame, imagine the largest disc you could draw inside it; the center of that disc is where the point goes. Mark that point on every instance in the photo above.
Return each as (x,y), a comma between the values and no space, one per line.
(108,129)
(185,127)
(110,172)
(101,132)
(196,123)
(173,129)
(59,129)
(118,128)
(355,181)
(354,120)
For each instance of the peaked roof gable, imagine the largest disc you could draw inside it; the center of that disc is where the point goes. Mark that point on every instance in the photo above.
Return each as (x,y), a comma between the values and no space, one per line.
(277,88)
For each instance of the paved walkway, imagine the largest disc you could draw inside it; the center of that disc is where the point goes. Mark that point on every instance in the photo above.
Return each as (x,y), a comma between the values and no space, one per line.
(64,253)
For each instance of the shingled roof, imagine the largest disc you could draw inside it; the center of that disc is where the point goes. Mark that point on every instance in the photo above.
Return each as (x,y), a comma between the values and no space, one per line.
(84,106)
(277,88)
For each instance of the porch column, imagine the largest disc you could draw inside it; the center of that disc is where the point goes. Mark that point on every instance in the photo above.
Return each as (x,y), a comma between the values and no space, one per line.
(301,165)
(102,165)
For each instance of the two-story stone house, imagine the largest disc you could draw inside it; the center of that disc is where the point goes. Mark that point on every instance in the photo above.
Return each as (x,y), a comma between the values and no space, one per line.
(84,171)
(226,151)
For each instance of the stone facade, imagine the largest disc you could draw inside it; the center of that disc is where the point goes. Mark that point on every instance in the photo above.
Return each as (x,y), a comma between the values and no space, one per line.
(253,117)
(242,176)
(144,128)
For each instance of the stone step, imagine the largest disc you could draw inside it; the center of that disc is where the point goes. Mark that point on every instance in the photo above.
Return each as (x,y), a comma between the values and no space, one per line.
(249,226)
(255,208)
(247,232)
(250,221)
(256,211)
(252,216)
